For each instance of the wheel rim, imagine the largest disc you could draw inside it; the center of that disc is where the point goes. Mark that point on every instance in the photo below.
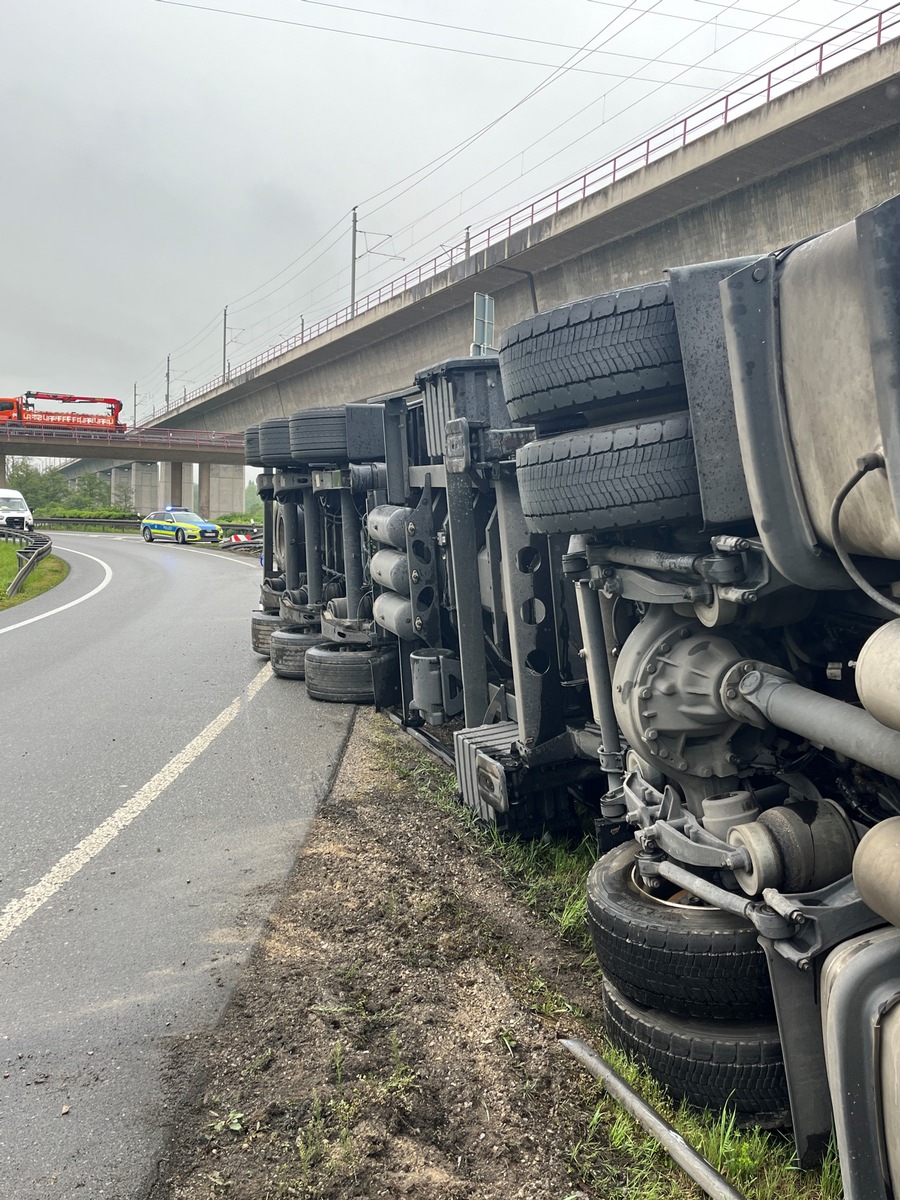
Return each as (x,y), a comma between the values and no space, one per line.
(672,901)
(148,536)
(179,536)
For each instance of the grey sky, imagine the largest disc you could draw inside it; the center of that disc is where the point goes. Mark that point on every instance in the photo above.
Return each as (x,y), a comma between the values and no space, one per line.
(161,162)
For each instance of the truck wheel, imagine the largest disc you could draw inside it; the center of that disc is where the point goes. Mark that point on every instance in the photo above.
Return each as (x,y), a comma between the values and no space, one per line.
(251,447)
(275,442)
(593,354)
(270,593)
(344,674)
(262,626)
(319,435)
(278,543)
(287,650)
(711,1064)
(618,478)
(685,959)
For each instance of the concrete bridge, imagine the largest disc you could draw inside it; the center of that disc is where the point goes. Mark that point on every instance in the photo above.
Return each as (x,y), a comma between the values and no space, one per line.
(143,461)
(796,165)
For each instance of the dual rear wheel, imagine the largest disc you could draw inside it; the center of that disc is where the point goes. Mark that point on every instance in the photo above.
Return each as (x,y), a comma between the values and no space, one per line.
(686,991)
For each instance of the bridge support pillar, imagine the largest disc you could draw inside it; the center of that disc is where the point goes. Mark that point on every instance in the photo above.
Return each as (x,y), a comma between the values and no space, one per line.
(145,486)
(203,470)
(226,489)
(120,494)
(176,484)
(2,470)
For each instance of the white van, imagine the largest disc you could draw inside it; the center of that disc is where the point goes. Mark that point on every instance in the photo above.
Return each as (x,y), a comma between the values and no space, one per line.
(14,512)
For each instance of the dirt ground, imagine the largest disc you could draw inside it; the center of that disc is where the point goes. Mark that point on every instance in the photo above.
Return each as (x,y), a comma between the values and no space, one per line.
(396,1031)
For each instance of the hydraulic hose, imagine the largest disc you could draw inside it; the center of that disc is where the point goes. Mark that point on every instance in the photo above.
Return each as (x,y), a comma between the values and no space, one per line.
(872,461)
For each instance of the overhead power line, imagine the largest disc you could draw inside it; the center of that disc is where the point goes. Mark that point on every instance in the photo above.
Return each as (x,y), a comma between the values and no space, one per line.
(447,156)
(525,62)
(309,249)
(510,37)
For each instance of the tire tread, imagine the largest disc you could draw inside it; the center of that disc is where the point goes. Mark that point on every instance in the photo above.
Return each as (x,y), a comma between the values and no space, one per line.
(592,351)
(711,1064)
(619,478)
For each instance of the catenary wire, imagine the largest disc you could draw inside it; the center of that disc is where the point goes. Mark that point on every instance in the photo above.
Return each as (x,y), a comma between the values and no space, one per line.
(514,37)
(376,37)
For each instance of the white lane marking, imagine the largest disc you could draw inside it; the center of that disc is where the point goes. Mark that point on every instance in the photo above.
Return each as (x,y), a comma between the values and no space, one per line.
(107,576)
(227,556)
(18,911)
(223,556)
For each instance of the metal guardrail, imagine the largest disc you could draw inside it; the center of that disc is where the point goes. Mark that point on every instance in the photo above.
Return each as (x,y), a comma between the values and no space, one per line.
(120,524)
(37,546)
(841,48)
(151,439)
(34,548)
(97,524)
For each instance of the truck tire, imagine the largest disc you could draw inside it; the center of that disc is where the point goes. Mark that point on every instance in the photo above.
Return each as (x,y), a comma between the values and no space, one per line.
(251,447)
(287,650)
(687,960)
(278,539)
(619,478)
(593,353)
(319,436)
(270,593)
(275,442)
(711,1064)
(262,626)
(344,674)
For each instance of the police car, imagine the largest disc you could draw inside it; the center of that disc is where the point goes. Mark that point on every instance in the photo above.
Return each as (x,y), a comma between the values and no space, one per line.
(178,525)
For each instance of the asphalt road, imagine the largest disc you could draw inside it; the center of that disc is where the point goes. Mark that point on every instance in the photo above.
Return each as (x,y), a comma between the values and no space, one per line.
(155,783)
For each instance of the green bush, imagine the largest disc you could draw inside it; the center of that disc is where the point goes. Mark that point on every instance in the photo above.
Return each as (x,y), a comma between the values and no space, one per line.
(48,511)
(238,519)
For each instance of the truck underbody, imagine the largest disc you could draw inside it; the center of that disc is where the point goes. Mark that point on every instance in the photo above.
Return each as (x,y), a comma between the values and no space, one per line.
(645,563)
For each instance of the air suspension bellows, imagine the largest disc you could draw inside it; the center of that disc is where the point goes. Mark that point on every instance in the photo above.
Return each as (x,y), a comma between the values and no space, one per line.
(387,524)
(394,613)
(797,847)
(390,569)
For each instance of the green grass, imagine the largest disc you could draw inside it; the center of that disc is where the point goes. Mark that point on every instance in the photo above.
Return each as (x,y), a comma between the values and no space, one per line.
(46,574)
(549,877)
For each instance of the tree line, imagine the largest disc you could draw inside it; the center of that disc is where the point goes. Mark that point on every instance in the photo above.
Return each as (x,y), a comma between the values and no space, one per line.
(50,494)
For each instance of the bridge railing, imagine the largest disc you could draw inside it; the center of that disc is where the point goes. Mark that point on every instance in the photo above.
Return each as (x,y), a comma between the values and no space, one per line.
(152,438)
(844,46)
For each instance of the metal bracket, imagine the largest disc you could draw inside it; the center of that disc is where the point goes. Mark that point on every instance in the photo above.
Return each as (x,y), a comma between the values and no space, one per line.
(421,552)
(498,444)
(822,919)
(330,480)
(458,451)
(286,483)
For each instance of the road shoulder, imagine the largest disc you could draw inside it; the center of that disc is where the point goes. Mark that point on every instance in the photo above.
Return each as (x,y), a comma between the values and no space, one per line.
(395,1031)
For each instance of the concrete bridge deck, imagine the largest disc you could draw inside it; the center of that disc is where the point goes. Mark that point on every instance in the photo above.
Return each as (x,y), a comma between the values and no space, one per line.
(153,444)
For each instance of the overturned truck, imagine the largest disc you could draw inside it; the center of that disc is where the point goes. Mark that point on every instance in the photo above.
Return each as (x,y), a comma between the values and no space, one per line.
(644,563)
